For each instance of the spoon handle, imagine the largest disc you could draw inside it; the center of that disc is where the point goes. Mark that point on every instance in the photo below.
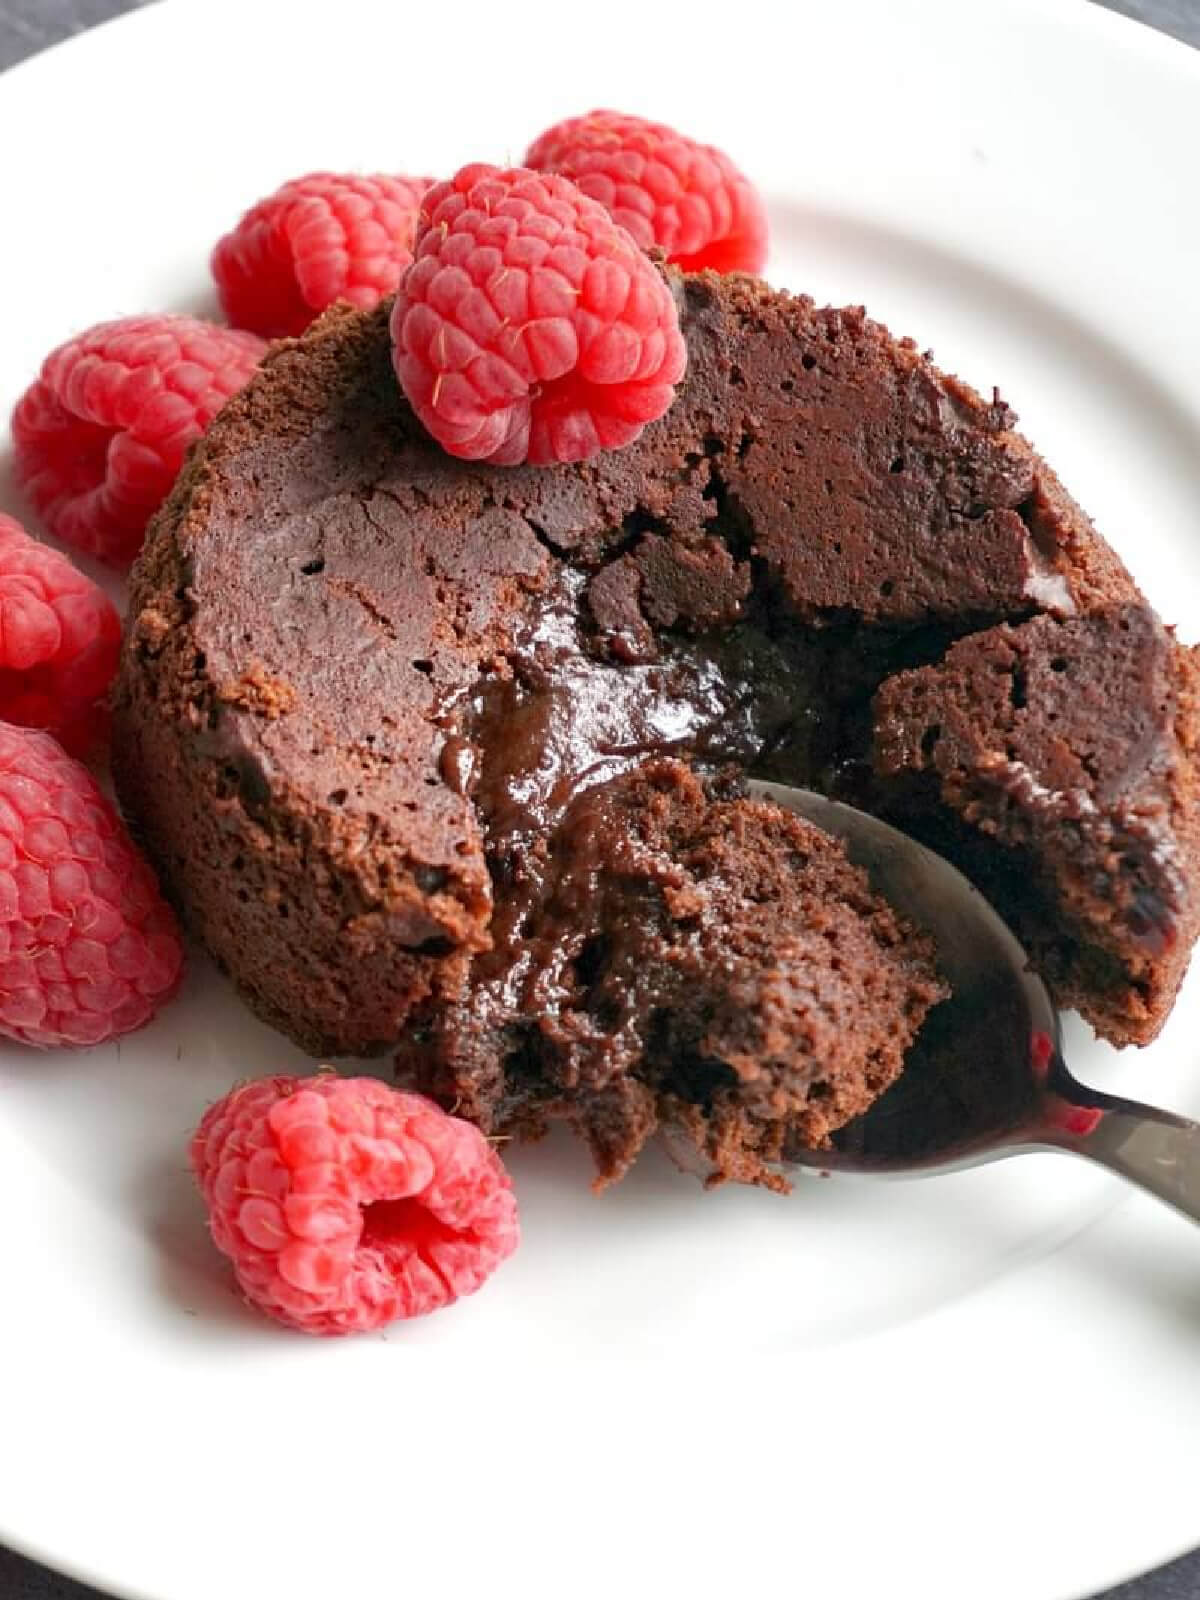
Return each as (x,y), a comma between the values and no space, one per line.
(1154,1149)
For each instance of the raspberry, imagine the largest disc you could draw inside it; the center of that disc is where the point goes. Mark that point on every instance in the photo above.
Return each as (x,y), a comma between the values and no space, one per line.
(101,434)
(88,948)
(59,641)
(344,1203)
(325,237)
(687,198)
(530,327)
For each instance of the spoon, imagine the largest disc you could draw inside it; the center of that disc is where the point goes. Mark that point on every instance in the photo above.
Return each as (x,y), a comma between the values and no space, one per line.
(986,1077)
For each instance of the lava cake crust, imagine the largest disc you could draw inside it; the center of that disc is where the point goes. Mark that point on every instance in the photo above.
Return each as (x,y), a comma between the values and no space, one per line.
(350,656)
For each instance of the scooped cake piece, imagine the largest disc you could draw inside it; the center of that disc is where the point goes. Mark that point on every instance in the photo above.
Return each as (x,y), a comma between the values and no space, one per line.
(673,947)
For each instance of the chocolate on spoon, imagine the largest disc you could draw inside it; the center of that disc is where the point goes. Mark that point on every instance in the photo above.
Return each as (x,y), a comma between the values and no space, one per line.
(987,1078)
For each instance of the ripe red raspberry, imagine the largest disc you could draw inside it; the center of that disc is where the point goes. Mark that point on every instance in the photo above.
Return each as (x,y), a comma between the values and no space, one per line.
(101,434)
(60,637)
(687,198)
(344,1203)
(88,948)
(530,327)
(325,237)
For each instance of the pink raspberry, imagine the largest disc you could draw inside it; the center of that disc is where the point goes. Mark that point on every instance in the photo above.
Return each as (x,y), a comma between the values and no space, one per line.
(60,637)
(88,948)
(325,237)
(530,327)
(344,1203)
(102,433)
(687,198)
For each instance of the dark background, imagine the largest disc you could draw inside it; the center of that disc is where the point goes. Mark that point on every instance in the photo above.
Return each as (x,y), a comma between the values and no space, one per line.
(29,25)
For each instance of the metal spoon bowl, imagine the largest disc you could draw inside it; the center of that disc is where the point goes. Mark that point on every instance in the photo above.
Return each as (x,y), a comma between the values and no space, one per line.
(986,1077)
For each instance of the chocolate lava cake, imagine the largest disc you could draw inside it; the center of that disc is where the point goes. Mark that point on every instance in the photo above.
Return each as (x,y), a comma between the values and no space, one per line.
(442,759)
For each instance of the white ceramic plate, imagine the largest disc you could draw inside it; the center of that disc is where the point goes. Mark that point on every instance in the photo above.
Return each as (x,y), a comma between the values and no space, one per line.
(986,1385)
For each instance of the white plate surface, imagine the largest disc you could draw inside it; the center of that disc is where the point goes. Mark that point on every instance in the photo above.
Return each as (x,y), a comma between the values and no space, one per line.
(985,1385)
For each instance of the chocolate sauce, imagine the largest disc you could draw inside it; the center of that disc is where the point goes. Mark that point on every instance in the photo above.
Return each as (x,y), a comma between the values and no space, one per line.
(567,719)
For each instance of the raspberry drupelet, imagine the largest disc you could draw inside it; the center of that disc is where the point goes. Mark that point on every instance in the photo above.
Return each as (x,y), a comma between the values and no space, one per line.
(530,327)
